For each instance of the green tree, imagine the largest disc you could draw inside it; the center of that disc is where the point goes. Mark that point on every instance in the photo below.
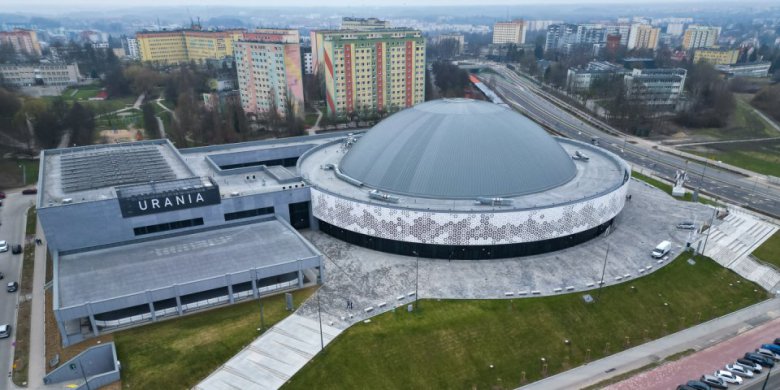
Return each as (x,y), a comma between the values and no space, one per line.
(81,122)
(151,127)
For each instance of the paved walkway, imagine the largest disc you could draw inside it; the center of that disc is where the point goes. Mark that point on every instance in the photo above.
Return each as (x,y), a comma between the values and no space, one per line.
(37,367)
(707,361)
(274,357)
(697,337)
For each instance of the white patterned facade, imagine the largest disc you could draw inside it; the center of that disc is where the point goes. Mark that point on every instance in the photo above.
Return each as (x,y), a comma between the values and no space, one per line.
(464,228)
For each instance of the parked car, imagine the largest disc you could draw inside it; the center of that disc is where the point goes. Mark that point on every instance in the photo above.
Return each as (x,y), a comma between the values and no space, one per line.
(768,353)
(772,347)
(714,382)
(2,276)
(685,387)
(12,287)
(777,341)
(740,370)
(3,246)
(5,331)
(749,364)
(728,377)
(686,225)
(2,195)
(760,359)
(698,385)
(30,191)
(16,249)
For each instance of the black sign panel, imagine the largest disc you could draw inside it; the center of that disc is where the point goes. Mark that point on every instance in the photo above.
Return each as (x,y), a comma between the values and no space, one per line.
(169,201)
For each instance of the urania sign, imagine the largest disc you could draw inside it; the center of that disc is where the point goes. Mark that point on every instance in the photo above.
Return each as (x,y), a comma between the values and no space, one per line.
(169,201)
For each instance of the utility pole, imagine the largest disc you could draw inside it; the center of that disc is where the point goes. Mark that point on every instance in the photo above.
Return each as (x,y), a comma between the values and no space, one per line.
(767,378)
(603,271)
(24,174)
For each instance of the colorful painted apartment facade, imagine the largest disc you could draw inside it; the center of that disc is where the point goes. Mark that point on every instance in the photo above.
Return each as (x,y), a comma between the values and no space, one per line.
(268,62)
(364,71)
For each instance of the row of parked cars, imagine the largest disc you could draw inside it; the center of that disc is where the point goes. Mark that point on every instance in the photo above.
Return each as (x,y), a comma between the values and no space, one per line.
(749,366)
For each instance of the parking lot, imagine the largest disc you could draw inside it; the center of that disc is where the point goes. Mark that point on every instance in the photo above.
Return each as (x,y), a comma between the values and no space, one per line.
(707,361)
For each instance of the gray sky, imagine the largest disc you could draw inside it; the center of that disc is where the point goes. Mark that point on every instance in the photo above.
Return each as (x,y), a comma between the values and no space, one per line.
(36,5)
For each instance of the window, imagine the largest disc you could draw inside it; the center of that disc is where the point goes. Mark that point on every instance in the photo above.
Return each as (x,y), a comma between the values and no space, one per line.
(249,213)
(167,226)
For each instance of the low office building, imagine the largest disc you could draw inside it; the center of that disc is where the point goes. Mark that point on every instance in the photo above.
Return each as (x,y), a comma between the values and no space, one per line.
(755,69)
(716,56)
(580,80)
(24,75)
(657,89)
(363,24)
(141,231)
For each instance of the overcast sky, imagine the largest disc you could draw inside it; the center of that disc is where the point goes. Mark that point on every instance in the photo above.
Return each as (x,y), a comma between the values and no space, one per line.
(36,5)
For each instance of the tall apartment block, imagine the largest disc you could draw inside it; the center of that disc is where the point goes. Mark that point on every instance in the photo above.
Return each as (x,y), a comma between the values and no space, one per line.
(700,36)
(364,24)
(23,41)
(643,36)
(380,70)
(509,32)
(268,62)
(186,45)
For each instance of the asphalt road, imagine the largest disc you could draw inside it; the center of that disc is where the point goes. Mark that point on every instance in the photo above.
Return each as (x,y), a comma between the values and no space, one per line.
(712,180)
(12,215)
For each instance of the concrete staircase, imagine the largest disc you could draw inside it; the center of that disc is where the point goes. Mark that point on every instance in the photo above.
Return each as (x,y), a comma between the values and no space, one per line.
(731,243)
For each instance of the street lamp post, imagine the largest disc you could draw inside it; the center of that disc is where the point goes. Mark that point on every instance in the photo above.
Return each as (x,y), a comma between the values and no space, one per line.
(24,174)
(603,271)
(319,314)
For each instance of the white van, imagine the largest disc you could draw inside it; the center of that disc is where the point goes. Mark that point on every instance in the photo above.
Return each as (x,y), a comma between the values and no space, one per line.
(5,331)
(662,249)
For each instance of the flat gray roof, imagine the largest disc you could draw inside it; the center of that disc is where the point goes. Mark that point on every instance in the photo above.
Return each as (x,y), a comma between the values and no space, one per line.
(129,269)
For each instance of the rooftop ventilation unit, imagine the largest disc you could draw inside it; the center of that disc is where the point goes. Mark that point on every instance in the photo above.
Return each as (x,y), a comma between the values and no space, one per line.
(494,201)
(374,194)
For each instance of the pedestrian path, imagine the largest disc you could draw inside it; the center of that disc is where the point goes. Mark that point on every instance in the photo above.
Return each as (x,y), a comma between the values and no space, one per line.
(697,337)
(274,357)
(731,242)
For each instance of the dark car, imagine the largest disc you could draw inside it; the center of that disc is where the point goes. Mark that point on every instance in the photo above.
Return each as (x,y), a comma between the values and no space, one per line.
(2,195)
(687,225)
(2,275)
(30,191)
(777,341)
(698,385)
(12,287)
(16,249)
(714,382)
(772,347)
(760,359)
(685,387)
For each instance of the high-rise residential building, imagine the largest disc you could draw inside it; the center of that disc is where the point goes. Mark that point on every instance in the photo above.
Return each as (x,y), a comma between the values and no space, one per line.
(380,70)
(716,56)
(509,32)
(613,43)
(643,36)
(559,35)
(457,38)
(675,29)
(186,45)
(621,29)
(700,36)
(130,44)
(306,59)
(590,34)
(363,24)
(539,25)
(268,63)
(23,41)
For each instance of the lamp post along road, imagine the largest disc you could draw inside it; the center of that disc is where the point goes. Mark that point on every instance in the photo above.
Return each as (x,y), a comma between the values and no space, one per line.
(603,271)
(416,279)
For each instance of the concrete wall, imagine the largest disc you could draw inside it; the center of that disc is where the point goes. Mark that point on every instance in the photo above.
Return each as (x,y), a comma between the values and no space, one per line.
(98,364)
(91,224)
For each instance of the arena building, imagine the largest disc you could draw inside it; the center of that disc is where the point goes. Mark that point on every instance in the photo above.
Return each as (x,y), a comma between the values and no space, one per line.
(463,179)
(143,231)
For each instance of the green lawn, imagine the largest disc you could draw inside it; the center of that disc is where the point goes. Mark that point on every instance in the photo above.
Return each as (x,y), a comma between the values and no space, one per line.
(761,156)
(179,353)
(119,121)
(113,104)
(665,187)
(451,344)
(769,251)
(744,123)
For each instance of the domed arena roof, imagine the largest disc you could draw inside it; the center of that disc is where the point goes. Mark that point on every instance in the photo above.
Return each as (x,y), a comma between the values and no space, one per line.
(458,148)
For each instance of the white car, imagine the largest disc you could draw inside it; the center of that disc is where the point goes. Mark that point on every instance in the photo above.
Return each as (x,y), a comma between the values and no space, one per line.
(3,246)
(750,365)
(728,377)
(740,370)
